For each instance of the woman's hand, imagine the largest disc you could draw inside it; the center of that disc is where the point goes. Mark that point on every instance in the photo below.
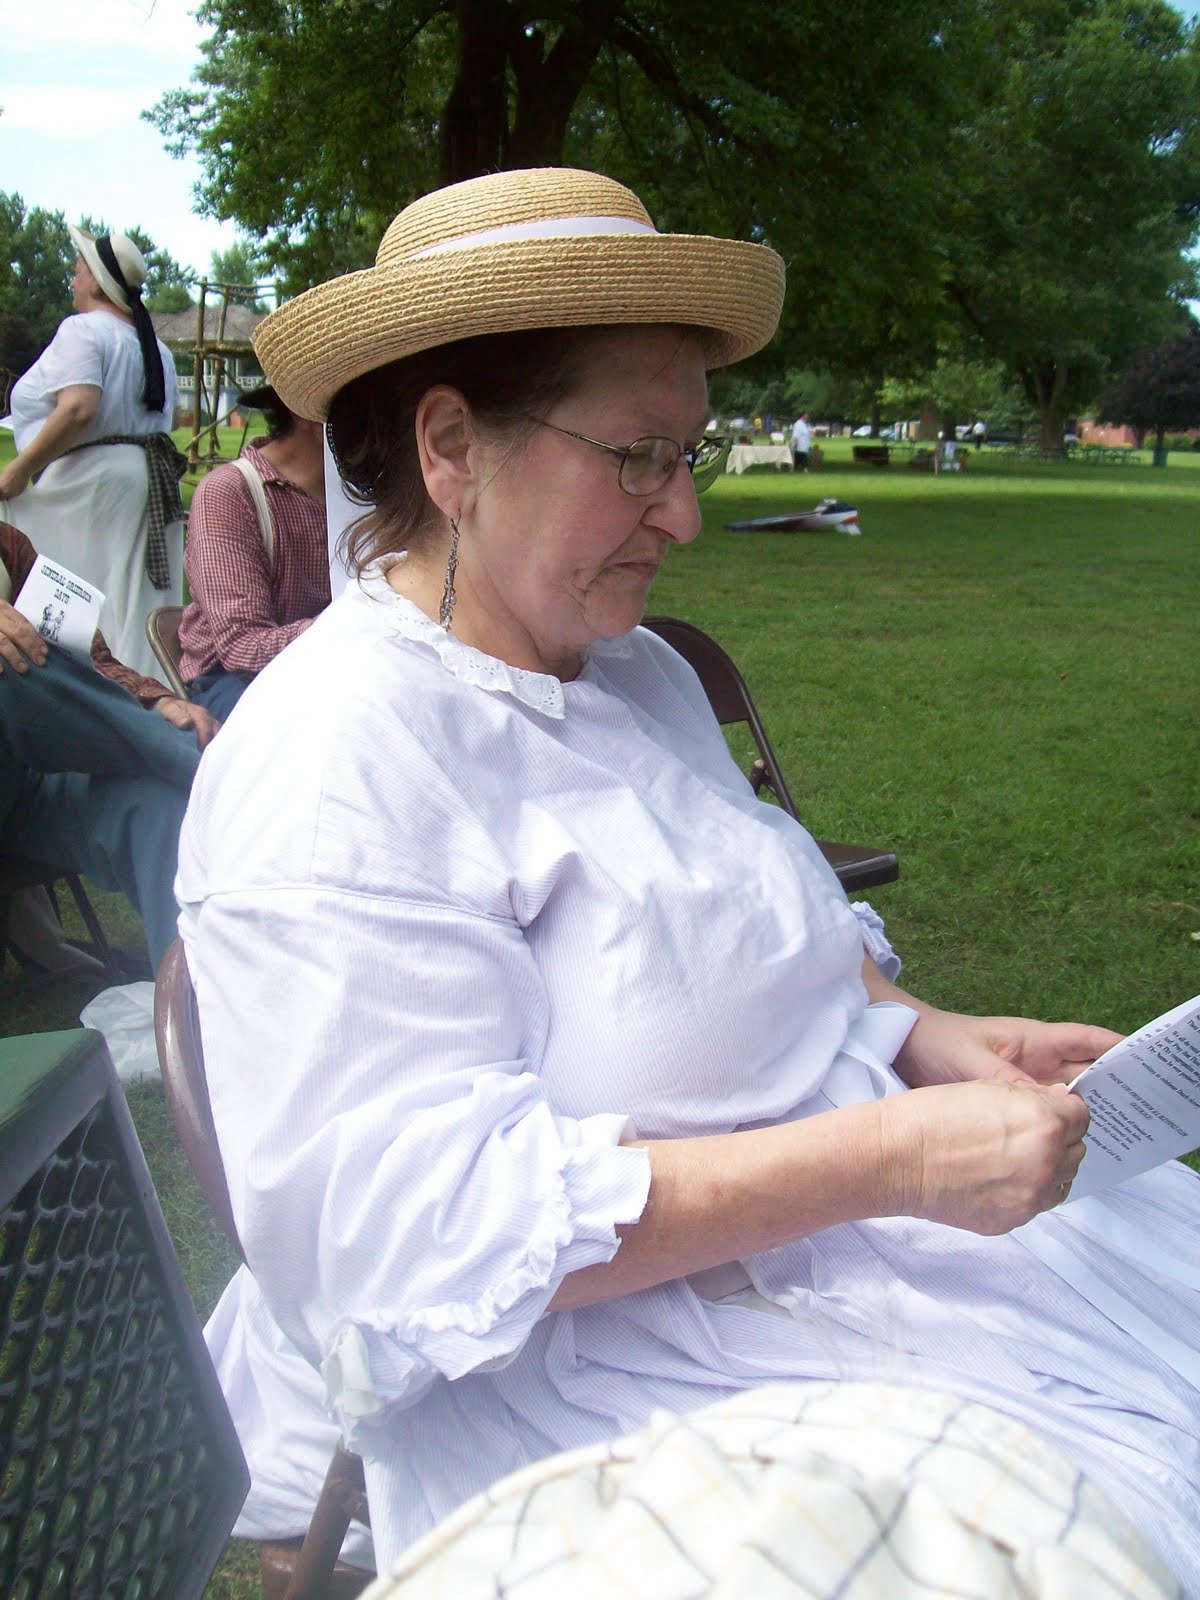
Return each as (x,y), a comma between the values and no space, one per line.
(986,1157)
(947,1047)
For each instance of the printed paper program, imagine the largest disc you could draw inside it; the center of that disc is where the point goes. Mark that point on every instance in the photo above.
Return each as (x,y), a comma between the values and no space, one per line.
(1144,1099)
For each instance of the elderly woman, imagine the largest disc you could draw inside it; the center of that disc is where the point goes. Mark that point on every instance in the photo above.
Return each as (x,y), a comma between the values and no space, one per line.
(550,1077)
(93,415)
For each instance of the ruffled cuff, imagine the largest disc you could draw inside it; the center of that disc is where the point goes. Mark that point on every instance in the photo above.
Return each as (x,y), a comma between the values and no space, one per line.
(875,941)
(600,1184)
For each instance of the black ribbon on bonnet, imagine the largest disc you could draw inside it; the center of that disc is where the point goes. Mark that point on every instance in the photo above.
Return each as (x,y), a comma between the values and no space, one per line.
(152,363)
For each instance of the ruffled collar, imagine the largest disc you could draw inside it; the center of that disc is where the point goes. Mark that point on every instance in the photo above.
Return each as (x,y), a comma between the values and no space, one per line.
(539,691)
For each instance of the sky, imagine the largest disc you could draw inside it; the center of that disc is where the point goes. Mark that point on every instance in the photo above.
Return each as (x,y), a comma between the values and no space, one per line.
(74,75)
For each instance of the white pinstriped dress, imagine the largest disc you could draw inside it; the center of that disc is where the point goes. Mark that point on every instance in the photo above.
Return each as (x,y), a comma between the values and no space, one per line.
(453,928)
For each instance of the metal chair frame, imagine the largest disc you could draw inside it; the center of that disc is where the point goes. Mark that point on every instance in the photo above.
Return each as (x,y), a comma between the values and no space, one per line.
(19,872)
(857,866)
(162,631)
(310,1570)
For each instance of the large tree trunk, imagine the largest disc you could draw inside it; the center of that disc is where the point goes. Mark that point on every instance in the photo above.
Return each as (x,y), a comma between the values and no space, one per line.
(474,132)
(550,81)
(548,78)
(1046,385)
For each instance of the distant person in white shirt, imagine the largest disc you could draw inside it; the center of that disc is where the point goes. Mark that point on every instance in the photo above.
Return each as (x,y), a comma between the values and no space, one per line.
(979,433)
(801,442)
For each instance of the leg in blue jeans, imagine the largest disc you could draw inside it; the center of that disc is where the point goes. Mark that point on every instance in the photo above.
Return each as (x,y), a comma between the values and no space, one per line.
(94,782)
(219,692)
(122,833)
(65,717)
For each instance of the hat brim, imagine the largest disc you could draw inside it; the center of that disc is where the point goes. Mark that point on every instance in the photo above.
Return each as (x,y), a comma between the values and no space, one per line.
(86,246)
(258,397)
(314,345)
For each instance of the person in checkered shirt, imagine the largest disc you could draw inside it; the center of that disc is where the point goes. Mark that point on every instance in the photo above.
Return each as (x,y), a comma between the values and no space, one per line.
(249,601)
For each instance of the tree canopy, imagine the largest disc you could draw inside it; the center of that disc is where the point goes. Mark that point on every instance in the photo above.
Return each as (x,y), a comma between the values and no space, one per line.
(765,122)
(37,260)
(1071,194)
(1021,174)
(1160,389)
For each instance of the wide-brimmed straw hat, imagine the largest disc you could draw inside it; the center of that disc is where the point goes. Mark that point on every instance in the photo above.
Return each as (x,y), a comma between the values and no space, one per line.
(128,257)
(550,247)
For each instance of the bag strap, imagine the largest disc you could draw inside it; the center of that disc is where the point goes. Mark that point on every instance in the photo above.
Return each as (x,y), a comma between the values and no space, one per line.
(259,496)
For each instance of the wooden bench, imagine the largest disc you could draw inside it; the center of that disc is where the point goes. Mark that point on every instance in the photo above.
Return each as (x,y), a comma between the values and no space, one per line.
(872,455)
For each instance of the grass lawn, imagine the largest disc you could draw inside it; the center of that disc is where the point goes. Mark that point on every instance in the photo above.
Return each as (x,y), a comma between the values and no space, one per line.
(997,681)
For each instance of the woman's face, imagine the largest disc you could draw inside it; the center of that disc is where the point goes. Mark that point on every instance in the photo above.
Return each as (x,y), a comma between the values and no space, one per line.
(555,553)
(84,287)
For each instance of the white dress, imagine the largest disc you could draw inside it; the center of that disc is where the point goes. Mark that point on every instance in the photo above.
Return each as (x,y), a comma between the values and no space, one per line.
(453,928)
(88,509)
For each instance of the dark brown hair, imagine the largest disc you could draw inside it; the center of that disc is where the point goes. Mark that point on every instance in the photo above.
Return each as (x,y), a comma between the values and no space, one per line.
(504,377)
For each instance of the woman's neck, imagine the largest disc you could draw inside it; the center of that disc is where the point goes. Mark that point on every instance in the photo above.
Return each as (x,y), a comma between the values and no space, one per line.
(423,582)
(103,303)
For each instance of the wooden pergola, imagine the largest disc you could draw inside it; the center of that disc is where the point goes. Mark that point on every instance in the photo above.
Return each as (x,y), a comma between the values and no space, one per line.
(216,332)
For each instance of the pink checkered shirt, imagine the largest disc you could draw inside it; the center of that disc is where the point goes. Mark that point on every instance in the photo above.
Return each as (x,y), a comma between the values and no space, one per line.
(241,615)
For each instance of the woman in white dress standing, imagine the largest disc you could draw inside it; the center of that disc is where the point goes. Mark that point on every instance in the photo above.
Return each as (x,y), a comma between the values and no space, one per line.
(93,417)
(552,1083)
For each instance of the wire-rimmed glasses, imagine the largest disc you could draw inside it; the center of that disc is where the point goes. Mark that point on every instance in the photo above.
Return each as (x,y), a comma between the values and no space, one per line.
(647,464)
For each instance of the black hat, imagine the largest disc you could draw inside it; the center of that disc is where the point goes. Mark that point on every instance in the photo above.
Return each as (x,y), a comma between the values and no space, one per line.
(261,399)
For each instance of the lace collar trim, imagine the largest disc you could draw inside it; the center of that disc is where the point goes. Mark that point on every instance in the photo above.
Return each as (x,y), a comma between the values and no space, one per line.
(539,691)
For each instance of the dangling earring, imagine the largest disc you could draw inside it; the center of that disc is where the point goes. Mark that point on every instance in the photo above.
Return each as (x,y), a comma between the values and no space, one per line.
(446,613)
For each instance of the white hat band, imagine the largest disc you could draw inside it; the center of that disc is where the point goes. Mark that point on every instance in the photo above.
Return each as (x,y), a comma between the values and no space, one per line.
(541,228)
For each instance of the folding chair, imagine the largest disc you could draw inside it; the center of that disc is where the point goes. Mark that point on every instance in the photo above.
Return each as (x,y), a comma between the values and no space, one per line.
(290,1570)
(857,866)
(162,630)
(120,1471)
(18,873)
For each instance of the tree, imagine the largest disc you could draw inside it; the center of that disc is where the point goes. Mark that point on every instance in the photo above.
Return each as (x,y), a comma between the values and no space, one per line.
(168,285)
(1071,193)
(37,259)
(960,389)
(1160,389)
(240,268)
(774,126)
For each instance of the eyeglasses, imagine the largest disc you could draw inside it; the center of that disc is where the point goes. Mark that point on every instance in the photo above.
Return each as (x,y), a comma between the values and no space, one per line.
(647,464)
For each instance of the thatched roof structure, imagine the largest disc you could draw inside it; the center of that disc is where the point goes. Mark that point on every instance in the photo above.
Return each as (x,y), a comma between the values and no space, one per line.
(177,329)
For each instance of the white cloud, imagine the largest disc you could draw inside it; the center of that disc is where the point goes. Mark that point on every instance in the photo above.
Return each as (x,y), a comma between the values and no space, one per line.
(75,76)
(71,113)
(159,27)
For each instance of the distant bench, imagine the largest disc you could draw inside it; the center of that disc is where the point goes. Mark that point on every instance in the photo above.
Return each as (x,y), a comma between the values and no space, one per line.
(872,455)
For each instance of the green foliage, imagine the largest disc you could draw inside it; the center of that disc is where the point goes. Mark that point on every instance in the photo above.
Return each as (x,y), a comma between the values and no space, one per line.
(960,389)
(1159,390)
(37,259)
(168,284)
(769,128)
(239,266)
(1071,192)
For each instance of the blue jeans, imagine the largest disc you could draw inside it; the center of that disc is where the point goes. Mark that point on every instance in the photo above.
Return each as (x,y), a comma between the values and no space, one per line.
(219,691)
(95,783)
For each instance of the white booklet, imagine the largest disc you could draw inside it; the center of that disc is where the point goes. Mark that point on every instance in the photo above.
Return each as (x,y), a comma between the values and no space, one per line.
(64,609)
(1144,1099)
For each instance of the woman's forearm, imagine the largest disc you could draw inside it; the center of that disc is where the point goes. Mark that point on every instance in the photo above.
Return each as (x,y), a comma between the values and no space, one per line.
(986,1156)
(717,1199)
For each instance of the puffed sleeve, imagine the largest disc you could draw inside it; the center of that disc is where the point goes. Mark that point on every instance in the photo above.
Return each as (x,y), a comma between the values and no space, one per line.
(74,356)
(408,1201)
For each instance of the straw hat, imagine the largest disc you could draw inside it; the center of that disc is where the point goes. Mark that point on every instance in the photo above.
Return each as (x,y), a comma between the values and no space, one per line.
(550,247)
(128,257)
